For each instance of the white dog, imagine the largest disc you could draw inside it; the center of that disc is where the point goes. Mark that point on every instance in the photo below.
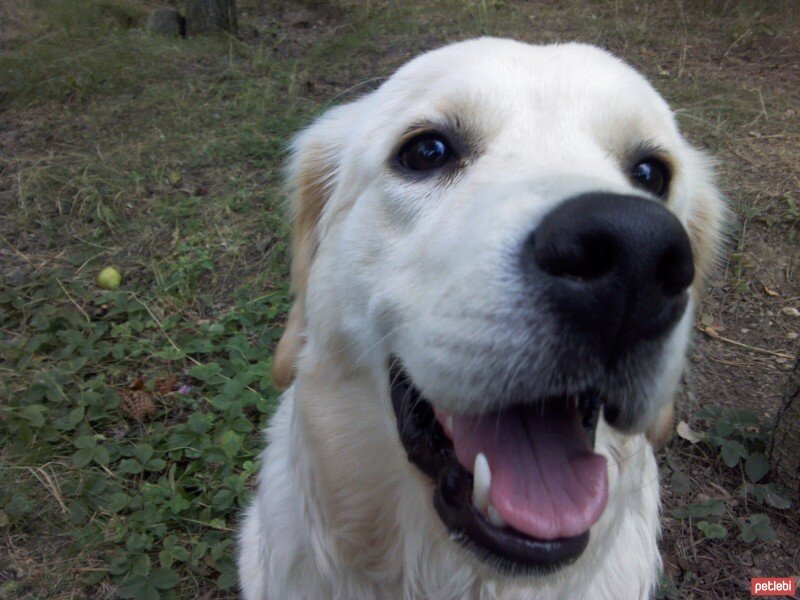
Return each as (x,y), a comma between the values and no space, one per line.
(497,256)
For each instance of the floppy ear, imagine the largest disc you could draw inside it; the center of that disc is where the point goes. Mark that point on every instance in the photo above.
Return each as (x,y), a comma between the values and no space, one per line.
(312,175)
(660,431)
(707,220)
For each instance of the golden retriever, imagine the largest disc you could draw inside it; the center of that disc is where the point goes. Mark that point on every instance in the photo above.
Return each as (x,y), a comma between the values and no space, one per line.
(497,256)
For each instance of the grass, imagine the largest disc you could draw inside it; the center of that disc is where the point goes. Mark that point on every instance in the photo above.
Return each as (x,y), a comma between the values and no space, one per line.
(130,418)
(171,174)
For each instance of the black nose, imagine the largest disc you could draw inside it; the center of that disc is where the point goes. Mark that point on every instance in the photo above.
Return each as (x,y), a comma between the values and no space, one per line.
(613,267)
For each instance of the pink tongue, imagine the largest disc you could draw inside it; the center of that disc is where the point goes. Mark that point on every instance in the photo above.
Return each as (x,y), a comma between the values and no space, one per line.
(546,481)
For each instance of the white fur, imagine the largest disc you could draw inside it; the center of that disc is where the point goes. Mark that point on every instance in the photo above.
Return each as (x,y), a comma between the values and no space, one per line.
(421,269)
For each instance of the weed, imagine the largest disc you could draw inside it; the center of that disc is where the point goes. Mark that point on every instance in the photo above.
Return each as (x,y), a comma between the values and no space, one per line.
(152,501)
(740,439)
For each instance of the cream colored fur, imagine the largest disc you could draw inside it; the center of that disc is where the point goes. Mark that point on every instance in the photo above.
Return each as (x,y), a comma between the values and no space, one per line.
(386,266)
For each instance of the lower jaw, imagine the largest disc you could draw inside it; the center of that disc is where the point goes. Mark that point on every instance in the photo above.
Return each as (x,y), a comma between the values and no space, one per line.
(507,551)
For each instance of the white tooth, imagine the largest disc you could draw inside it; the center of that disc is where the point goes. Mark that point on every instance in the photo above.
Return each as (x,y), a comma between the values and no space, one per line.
(448,425)
(494,517)
(481,482)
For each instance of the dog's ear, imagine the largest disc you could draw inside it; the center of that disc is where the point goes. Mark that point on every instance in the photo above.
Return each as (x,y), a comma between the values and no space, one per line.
(661,429)
(707,221)
(706,224)
(312,175)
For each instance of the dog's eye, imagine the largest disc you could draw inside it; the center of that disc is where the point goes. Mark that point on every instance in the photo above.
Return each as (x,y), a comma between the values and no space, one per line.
(651,174)
(425,152)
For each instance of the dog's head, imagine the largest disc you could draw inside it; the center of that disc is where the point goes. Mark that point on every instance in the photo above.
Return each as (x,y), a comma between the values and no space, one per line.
(513,238)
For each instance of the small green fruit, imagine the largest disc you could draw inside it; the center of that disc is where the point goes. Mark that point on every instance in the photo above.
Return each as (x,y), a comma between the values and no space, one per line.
(109,278)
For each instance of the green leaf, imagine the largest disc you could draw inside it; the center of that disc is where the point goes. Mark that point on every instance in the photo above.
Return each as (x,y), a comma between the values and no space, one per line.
(34,414)
(230,442)
(731,452)
(101,456)
(129,466)
(205,372)
(702,510)
(772,493)
(163,579)
(19,505)
(178,503)
(216,329)
(75,416)
(724,428)
(757,528)
(756,467)
(85,441)
(712,531)
(138,587)
(180,553)
(227,579)
(82,457)
(156,465)
(117,502)
(232,388)
(143,452)
(199,423)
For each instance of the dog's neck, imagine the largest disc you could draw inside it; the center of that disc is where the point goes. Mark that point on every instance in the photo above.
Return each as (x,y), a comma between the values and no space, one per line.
(363,492)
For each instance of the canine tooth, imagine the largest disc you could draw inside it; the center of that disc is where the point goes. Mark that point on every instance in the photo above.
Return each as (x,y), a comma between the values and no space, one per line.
(481,482)
(494,517)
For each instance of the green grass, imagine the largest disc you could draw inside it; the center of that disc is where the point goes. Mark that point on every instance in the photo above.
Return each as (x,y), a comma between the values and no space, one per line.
(163,157)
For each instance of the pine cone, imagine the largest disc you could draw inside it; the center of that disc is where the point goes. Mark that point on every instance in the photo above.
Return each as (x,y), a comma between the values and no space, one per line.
(137,405)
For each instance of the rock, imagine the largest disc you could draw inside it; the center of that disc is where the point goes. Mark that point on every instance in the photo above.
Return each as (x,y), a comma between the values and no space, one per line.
(209,16)
(166,21)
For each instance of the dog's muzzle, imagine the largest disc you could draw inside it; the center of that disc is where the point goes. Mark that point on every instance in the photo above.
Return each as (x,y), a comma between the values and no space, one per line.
(520,484)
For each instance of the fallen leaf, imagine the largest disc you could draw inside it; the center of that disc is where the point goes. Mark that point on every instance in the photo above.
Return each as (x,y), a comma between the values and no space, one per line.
(790,311)
(711,332)
(770,292)
(688,433)
(166,385)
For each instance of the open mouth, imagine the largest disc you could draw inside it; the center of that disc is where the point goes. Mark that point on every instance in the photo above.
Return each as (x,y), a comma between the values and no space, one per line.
(519,487)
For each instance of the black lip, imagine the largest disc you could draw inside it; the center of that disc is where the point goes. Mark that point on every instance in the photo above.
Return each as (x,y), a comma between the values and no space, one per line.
(510,551)
(431,451)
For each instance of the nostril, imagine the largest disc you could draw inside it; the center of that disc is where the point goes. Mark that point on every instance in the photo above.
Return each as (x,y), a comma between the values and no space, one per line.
(675,270)
(600,256)
(584,258)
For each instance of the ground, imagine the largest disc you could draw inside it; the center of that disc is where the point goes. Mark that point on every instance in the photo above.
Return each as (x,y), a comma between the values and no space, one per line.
(129,417)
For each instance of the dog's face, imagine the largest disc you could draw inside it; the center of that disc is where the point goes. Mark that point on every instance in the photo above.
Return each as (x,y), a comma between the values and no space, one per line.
(511,239)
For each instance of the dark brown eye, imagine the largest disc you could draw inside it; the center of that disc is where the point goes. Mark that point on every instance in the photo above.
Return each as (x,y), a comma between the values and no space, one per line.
(425,152)
(651,174)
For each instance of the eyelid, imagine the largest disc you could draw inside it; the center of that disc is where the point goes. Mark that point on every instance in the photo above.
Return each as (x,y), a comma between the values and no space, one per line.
(423,131)
(649,149)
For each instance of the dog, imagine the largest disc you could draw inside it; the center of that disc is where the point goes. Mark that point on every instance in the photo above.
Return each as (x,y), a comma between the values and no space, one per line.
(497,256)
